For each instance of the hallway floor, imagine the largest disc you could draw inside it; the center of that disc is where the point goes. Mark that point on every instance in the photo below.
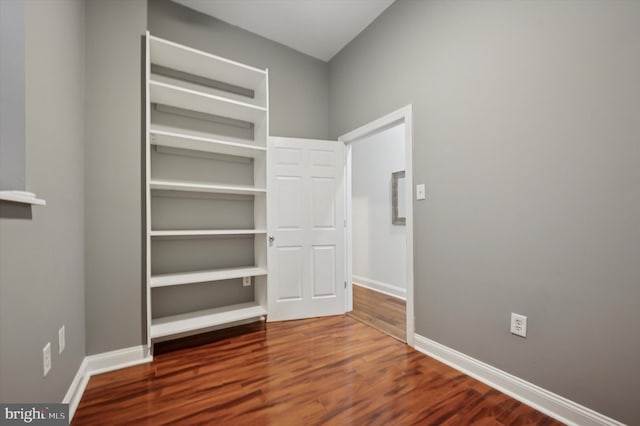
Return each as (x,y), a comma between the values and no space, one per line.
(385,313)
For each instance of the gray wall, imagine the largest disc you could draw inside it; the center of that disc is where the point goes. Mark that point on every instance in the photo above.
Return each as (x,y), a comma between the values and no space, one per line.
(526,135)
(113,191)
(42,259)
(12,94)
(298,84)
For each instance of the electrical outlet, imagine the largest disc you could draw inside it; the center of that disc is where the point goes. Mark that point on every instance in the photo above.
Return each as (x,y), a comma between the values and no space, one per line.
(46,358)
(61,340)
(246,281)
(420,192)
(518,325)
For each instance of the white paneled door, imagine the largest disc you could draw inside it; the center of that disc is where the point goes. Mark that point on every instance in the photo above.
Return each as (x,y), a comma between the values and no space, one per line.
(306,228)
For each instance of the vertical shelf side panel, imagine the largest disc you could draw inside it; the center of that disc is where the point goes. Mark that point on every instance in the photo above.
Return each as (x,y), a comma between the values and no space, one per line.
(260,290)
(260,175)
(259,211)
(261,130)
(260,170)
(261,93)
(147,151)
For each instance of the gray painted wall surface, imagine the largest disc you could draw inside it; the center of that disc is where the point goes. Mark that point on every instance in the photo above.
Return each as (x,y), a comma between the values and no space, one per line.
(113,174)
(298,84)
(526,135)
(12,94)
(42,260)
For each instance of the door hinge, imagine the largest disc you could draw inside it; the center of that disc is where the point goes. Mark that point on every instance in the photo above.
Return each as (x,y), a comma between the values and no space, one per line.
(345,284)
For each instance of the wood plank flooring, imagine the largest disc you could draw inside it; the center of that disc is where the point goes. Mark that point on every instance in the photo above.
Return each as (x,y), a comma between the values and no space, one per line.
(386,313)
(333,370)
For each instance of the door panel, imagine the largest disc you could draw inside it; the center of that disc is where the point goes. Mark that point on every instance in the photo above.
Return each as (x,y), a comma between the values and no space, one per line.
(289,265)
(323,203)
(289,209)
(306,220)
(324,265)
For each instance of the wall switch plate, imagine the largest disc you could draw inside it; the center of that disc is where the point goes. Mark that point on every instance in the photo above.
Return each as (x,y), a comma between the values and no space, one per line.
(518,325)
(46,358)
(246,281)
(420,192)
(61,340)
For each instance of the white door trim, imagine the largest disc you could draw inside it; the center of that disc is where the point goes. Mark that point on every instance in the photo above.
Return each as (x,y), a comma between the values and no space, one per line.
(402,115)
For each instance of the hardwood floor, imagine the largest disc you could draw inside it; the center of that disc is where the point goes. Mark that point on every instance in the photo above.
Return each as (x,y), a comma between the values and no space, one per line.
(386,313)
(332,370)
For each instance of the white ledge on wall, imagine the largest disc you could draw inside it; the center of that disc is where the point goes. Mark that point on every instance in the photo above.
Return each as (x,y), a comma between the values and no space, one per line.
(21,197)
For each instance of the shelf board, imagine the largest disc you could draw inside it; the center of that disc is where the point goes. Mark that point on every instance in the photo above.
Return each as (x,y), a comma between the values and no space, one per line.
(176,96)
(197,320)
(171,185)
(206,232)
(158,127)
(197,62)
(205,276)
(186,141)
(183,84)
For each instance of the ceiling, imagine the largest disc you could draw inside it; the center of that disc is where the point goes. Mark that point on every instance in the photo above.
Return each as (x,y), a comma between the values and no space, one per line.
(319,28)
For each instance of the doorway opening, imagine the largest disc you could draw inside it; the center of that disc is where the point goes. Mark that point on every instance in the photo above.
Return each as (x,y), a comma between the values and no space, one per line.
(379,234)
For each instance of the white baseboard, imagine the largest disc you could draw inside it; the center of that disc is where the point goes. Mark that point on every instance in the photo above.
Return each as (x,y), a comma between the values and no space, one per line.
(115,360)
(76,389)
(102,363)
(556,406)
(380,287)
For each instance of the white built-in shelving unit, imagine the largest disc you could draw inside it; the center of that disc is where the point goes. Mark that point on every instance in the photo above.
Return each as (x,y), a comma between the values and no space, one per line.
(206,188)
